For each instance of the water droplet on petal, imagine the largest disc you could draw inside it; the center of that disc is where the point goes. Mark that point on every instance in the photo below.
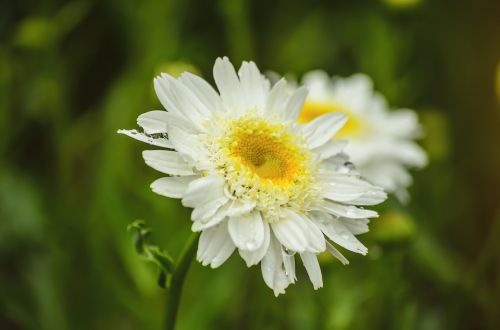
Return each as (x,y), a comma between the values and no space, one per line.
(351,211)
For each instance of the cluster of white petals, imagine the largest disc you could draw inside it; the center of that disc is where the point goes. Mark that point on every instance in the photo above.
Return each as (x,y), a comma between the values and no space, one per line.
(258,182)
(381,141)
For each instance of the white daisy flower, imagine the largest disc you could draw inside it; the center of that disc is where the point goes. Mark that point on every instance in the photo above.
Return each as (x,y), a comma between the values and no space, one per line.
(381,142)
(258,182)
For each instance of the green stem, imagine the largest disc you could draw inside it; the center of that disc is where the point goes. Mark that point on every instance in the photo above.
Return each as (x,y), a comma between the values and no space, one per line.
(178,277)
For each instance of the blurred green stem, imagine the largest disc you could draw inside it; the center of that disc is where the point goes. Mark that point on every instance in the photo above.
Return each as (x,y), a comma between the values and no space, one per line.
(175,289)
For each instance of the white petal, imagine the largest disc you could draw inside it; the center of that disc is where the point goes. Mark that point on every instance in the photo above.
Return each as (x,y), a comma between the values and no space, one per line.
(215,246)
(340,234)
(407,152)
(313,270)
(153,121)
(289,264)
(159,142)
(297,233)
(203,190)
(186,101)
(336,253)
(247,231)
(295,103)
(228,84)
(323,128)
(239,208)
(330,149)
(254,257)
(290,232)
(272,268)
(202,89)
(371,197)
(209,221)
(318,82)
(187,144)
(173,186)
(254,85)
(162,89)
(356,226)
(180,122)
(166,161)
(345,188)
(403,123)
(176,98)
(231,208)
(277,99)
(347,211)
(204,212)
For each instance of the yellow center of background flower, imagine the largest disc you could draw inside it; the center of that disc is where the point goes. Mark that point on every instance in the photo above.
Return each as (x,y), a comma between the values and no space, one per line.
(353,127)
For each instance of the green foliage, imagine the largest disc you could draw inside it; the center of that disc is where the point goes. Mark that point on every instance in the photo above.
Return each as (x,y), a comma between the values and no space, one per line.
(152,253)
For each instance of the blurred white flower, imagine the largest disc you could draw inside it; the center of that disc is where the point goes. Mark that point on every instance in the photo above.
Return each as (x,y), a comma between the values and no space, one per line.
(380,142)
(257,181)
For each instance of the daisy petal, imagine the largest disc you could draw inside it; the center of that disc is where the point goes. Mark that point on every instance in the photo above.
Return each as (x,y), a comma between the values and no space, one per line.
(356,226)
(371,197)
(347,211)
(239,208)
(254,85)
(272,268)
(203,190)
(340,234)
(313,270)
(204,212)
(159,142)
(166,161)
(207,221)
(289,264)
(153,121)
(178,99)
(295,103)
(276,101)
(173,186)
(298,234)
(215,246)
(336,253)
(254,257)
(186,101)
(247,231)
(186,143)
(330,149)
(205,93)
(322,129)
(290,233)
(343,188)
(228,84)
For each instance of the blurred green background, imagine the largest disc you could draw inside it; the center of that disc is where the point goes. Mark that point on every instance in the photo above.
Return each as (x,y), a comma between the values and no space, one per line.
(73,72)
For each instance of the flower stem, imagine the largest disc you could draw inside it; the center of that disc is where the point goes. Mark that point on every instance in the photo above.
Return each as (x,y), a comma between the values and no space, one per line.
(175,290)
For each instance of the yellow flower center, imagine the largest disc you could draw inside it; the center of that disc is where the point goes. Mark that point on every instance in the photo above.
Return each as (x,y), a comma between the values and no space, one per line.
(352,128)
(264,163)
(266,156)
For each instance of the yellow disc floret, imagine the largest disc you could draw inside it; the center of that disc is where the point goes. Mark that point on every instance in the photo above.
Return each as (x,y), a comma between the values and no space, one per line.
(264,163)
(352,128)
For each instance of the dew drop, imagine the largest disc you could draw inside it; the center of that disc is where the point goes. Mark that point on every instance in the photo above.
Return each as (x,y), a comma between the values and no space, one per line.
(351,211)
(251,244)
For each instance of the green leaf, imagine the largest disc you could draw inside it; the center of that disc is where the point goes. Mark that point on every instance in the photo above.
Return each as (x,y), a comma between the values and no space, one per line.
(152,253)
(162,279)
(164,260)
